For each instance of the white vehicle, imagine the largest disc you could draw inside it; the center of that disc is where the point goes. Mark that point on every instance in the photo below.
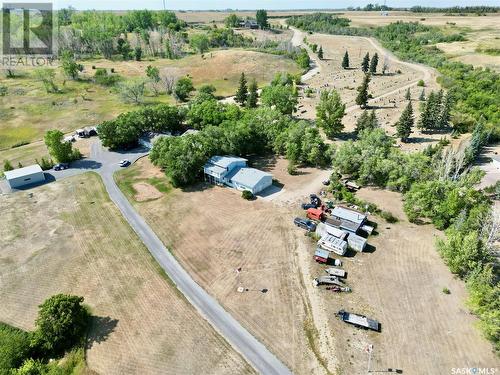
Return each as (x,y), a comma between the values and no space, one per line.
(124,163)
(333,244)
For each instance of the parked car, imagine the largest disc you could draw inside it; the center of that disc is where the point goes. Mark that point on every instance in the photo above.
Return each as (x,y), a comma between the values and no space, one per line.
(124,163)
(61,166)
(326,182)
(305,224)
(306,206)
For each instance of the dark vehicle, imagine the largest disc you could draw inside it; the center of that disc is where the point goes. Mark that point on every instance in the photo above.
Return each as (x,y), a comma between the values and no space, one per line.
(61,166)
(315,200)
(306,206)
(359,320)
(305,224)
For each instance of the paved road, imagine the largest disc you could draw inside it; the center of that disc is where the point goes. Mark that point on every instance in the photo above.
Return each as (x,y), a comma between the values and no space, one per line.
(106,164)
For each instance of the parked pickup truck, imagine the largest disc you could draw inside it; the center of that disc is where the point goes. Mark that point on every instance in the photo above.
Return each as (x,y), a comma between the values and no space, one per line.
(332,271)
(359,320)
(305,224)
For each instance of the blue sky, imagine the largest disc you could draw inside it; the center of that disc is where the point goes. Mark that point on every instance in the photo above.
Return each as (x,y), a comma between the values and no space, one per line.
(255,4)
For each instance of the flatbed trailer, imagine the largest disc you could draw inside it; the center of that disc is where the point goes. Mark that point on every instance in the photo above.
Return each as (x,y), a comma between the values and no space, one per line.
(329,280)
(359,320)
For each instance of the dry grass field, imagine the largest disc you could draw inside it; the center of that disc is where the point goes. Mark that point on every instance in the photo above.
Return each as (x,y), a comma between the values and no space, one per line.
(212,231)
(220,68)
(28,111)
(68,237)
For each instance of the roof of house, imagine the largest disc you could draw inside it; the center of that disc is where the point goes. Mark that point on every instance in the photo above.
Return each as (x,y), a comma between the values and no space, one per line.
(349,215)
(214,169)
(248,176)
(225,161)
(21,172)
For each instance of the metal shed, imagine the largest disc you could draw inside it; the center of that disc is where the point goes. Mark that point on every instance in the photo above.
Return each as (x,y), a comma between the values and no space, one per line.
(24,176)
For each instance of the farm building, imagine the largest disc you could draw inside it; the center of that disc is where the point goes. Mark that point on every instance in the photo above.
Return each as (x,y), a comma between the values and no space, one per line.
(249,24)
(233,171)
(24,176)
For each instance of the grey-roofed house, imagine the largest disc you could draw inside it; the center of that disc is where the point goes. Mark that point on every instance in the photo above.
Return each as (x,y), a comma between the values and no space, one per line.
(233,171)
(24,176)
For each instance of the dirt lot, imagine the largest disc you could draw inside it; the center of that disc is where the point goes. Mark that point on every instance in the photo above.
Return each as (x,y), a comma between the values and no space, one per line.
(69,238)
(213,231)
(400,283)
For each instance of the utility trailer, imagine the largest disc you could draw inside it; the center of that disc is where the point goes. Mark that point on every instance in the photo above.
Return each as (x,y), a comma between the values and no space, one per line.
(328,280)
(332,271)
(359,320)
(321,256)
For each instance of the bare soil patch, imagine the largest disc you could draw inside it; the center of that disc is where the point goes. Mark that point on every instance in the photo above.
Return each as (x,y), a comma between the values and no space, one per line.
(70,238)
(146,192)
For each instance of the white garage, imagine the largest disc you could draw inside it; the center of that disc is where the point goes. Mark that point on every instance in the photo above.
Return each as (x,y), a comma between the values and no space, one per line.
(251,179)
(24,176)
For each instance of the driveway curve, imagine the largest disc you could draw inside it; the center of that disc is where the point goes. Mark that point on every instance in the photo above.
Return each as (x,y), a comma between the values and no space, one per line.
(257,355)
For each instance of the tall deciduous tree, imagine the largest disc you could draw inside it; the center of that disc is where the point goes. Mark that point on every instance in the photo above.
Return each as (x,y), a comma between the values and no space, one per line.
(183,88)
(366,63)
(70,67)
(242,93)
(362,98)
(330,112)
(405,123)
(345,60)
(280,97)
(61,324)
(374,63)
(261,17)
(253,96)
(59,149)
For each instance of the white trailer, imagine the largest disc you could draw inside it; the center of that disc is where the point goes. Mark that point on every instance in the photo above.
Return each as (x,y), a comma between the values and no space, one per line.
(333,244)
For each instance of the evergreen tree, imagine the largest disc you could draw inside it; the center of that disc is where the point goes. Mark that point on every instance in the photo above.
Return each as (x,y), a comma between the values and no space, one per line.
(427,116)
(242,93)
(408,94)
(405,123)
(366,63)
(345,60)
(367,120)
(422,96)
(252,95)
(444,117)
(320,53)
(374,63)
(362,98)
